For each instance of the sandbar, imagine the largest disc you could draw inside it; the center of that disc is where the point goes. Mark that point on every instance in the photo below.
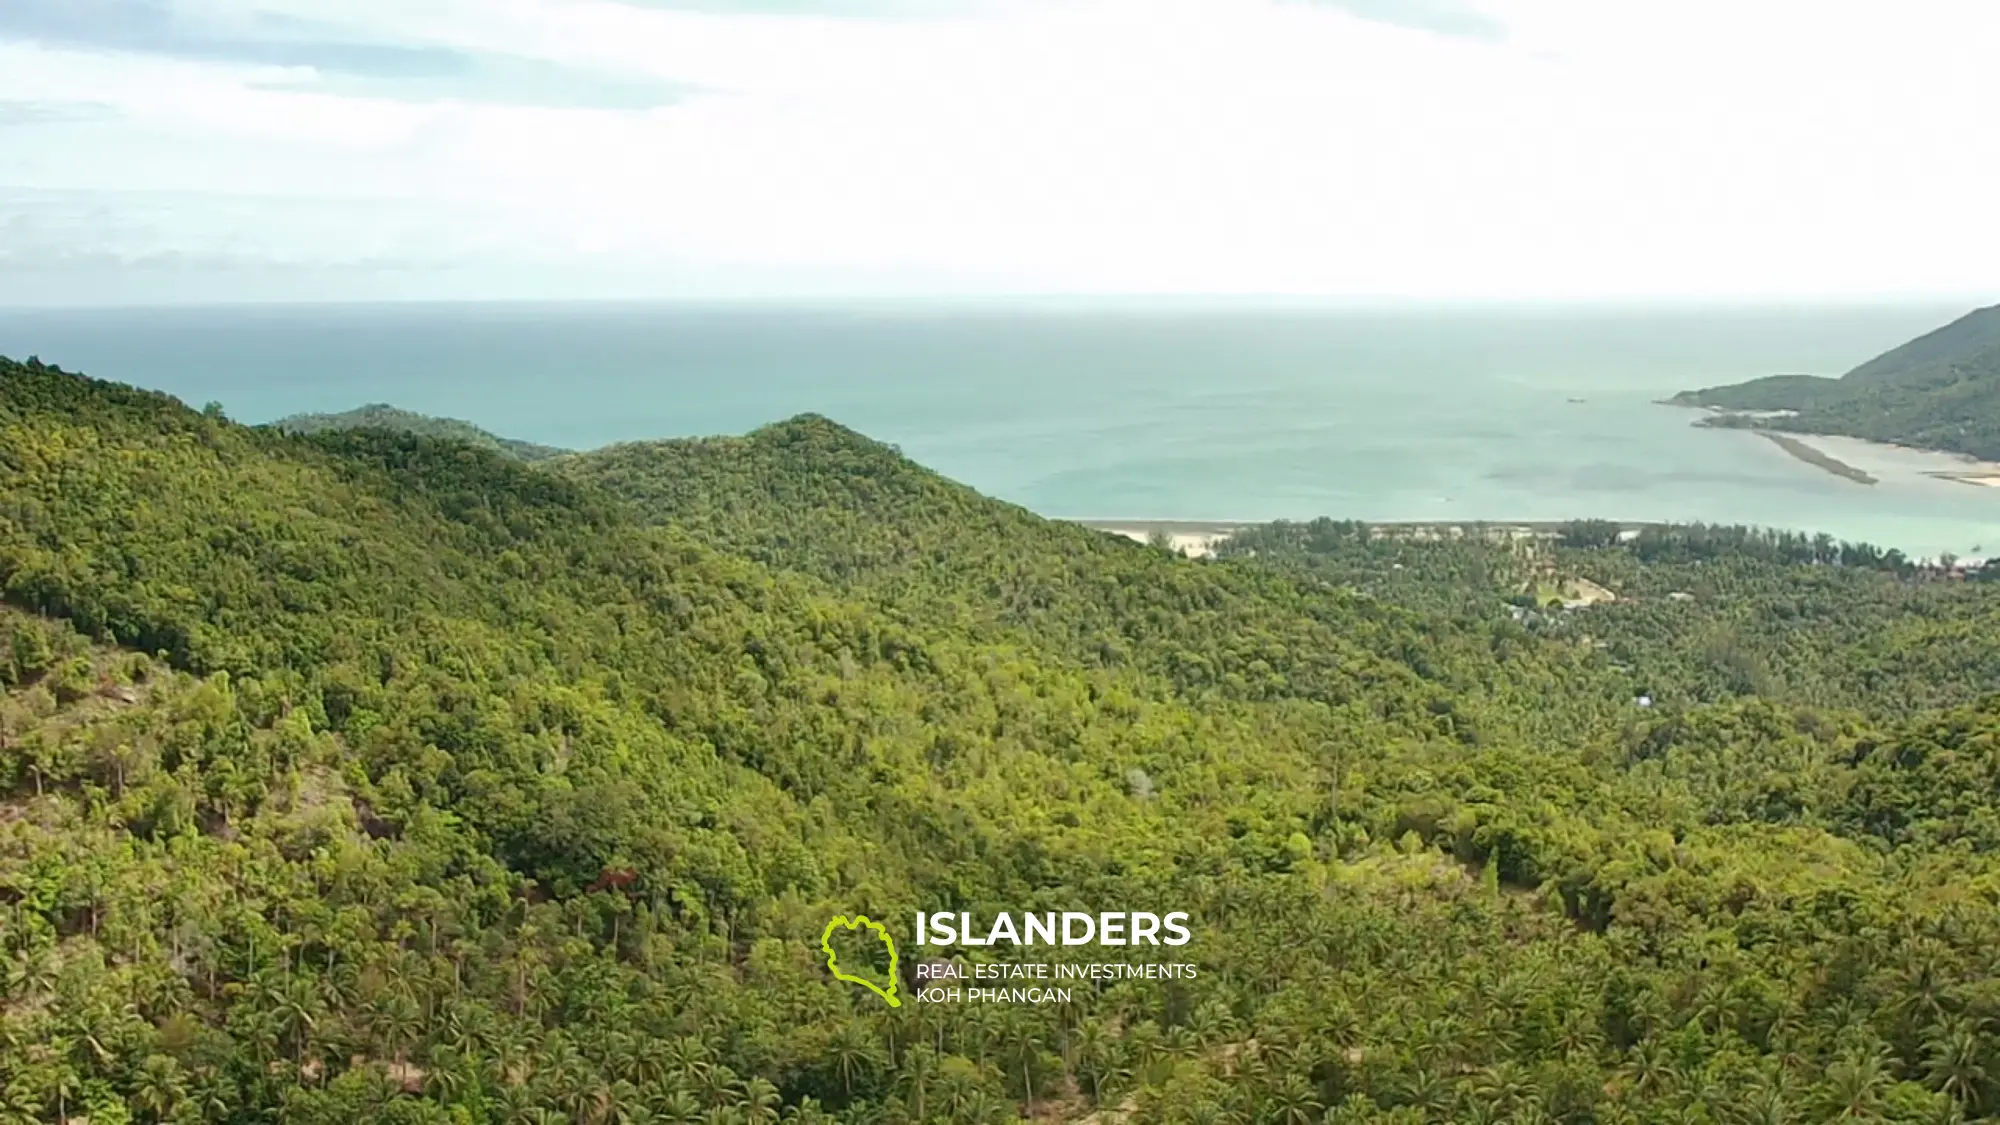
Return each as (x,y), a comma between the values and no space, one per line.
(1885,462)
(1817,457)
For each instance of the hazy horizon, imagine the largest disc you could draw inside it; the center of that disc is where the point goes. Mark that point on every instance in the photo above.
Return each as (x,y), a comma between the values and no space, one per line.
(1085,410)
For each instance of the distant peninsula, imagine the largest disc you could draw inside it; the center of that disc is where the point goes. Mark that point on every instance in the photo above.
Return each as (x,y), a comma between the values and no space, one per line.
(1940,391)
(382,416)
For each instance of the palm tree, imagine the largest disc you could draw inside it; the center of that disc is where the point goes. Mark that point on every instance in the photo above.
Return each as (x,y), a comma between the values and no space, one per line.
(719,1087)
(1788,1039)
(1507,1085)
(1765,1105)
(1147,1044)
(851,1052)
(1580,1036)
(1855,1084)
(760,1102)
(979,1107)
(1693,1113)
(636,1113)
(396,1023)
(516,1105)
(446,1075)
(961,1082)
(508,1064)
(1481,1112)
(1954,1062)
(65,1082)
(612,1101)
(1213,1022)
(1425,1089)
(30,974)
(1099,1058)
(18,1107)
(1651,1070)
(1532,1112)
(807,1112)
(559,1069)
(1920,995)
(1714,1003)
(1293,1102)
(1024,1050)
(212,1096)
(678,1108)
(689,1057)
(296,1006)
(158,1089)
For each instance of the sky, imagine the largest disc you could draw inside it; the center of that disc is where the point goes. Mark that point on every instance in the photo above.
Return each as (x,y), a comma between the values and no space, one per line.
(1521,150)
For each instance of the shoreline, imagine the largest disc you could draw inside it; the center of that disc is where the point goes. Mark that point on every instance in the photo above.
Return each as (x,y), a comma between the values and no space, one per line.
(1883,460)
(1857,460)
(1198,538)
(1216,527)
(1838,453)
(1984,478)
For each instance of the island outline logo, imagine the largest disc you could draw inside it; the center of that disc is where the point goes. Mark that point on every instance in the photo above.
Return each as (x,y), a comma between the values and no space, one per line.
(833,965)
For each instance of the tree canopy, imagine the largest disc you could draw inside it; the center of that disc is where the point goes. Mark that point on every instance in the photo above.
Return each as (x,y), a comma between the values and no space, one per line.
(366,775)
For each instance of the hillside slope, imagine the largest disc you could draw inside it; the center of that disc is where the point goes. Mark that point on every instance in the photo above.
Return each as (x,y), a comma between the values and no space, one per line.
(373,777)
(1939,391)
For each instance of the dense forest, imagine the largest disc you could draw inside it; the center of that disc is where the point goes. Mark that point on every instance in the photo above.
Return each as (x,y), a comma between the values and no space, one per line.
(1939,391)
(365,775)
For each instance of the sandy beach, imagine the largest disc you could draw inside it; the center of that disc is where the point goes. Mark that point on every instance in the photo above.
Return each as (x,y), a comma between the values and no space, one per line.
(1194,538)
(1198,538)
(1895,463)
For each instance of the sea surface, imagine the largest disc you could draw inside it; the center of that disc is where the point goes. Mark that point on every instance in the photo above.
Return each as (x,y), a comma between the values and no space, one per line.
(1107,410)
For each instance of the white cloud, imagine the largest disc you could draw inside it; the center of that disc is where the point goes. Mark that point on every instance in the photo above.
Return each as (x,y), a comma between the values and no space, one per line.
(1601,148)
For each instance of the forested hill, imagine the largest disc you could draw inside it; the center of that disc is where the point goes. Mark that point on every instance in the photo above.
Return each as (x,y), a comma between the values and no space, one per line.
(382,416)
(809,494)
(367,776)
(811,497)
(1939,391)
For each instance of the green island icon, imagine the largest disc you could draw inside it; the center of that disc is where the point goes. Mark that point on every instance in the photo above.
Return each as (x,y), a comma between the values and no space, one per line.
(826,946)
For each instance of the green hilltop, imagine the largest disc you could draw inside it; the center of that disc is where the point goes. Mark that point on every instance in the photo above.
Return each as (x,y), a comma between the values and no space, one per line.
(365,775)
(1939,391)
(382,416)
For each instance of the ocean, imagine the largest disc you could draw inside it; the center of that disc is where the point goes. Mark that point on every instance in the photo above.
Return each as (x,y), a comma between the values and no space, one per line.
(1108,410)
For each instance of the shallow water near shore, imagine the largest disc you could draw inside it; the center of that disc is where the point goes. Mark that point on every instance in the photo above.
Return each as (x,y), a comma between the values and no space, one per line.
(1113,411)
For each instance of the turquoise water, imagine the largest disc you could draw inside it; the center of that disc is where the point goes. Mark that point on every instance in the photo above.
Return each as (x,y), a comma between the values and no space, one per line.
(1102,410)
